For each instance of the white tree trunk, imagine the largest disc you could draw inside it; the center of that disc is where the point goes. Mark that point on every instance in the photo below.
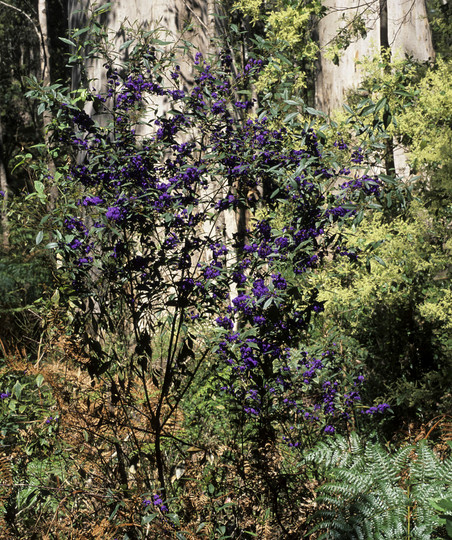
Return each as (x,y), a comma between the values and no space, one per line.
(408,34)
(45,52)
(3,198)
(170,15)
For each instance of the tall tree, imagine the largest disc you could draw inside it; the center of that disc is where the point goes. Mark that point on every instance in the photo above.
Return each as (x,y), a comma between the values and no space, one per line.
(3,197)
(353,29)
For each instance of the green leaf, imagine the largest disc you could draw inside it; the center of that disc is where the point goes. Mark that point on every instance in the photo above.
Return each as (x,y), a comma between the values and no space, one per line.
(67,41)
(200,527)
(126,44)
(315,112)
(17,389)
(293,102)
(55,297)
(449,526)
(380,104)
(160,42)
(290,117)
(39,186)
(282,57)
(39,380)
(102,9)
(367,110)
(380,261)
(80,32)
(39,237)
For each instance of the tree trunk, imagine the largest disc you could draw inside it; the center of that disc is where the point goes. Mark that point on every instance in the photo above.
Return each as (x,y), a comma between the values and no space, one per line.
(45,49)
(169,15)
(387,54)
(3,197)
(402,27)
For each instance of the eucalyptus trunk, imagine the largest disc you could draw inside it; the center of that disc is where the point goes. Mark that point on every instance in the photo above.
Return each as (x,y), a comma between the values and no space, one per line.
(398,25)
(4,197)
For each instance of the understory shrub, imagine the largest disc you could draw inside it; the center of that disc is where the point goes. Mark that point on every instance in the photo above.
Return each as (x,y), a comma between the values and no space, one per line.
(178,284)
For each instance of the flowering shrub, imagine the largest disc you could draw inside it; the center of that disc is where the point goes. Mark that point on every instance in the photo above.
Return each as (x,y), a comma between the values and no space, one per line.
(145,254)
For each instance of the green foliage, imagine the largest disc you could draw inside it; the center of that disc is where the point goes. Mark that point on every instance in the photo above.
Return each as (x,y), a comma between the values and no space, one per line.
(373,493)
(283,33)
(427,127)
(444,507)
(405,103)
(227,475)
(394,307)
(439,15)
(25,277)
(29,425)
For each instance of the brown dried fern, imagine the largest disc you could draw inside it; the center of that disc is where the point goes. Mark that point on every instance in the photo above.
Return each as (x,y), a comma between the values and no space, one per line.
(6,483)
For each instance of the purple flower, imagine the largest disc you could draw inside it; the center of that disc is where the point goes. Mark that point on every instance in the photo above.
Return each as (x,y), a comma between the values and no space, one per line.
(279,282)
(114,213)
(156,501)
(5,395)
(243,303)
(357,156)
(225,322)
(218,107)
(84,260)
(75,244)
(92,201)
(318,307)
(213,270)
(228,202)
(176,94)
(259,288)
(382,407)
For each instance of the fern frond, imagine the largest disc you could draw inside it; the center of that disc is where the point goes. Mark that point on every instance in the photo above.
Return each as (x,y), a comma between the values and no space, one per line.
(445,470)
(401,457)
(369,495)
(384,469)
(425,467)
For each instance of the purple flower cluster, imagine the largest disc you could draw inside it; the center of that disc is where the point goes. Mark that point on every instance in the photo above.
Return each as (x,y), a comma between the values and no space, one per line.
(92,201)
(382,407)
(115,213)
(157,502)
(366,184)
(152,230)
(340,144)
(357,156)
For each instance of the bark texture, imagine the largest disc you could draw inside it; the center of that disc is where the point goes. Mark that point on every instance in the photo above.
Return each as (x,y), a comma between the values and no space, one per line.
(4,225)
(407,32)
(171,15)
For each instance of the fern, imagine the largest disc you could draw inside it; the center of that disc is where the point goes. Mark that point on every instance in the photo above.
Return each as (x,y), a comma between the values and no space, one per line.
(374,494)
